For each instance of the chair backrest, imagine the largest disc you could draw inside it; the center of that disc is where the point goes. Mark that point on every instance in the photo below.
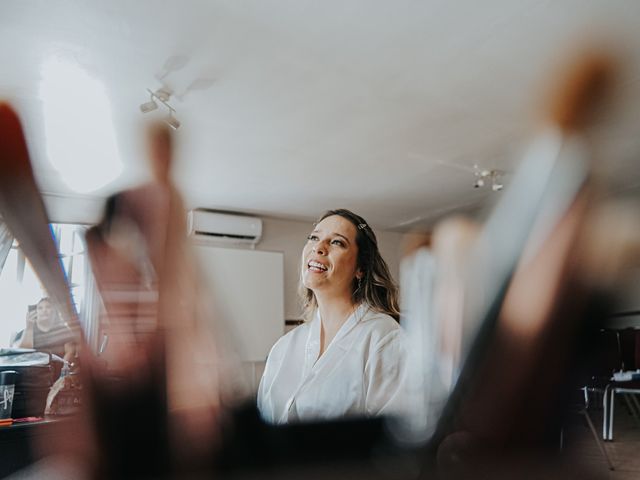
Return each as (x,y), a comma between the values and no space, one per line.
(609,353)
(599,356)
(630,348)
(637,349)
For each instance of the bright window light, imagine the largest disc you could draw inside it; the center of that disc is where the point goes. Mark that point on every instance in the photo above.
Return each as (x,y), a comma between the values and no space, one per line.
(79,132)
(20,286)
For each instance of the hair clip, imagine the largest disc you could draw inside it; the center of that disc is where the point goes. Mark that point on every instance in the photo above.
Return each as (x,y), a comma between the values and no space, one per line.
(362,226)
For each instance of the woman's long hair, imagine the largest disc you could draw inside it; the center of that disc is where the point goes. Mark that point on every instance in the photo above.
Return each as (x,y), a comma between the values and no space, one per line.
(376,288)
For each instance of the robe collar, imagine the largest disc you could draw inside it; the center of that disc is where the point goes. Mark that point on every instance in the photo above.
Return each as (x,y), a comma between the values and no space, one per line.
(312,348)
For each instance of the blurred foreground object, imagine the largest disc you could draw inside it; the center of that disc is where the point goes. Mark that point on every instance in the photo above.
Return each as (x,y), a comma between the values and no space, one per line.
(159,325)
(496,327)
(23,211)
(156,406)
(535,279)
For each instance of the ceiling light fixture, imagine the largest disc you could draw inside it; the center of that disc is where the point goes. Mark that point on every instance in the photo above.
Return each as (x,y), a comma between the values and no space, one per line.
(149,106)
(162,95)
(485,176)
(172,121)
(496,184)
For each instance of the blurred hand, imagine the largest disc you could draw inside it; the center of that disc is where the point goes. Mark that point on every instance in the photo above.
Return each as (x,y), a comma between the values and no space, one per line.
(31,318)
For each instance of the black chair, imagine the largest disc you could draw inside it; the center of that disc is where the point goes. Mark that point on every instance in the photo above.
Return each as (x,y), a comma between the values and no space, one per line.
(628,341)
(602,357)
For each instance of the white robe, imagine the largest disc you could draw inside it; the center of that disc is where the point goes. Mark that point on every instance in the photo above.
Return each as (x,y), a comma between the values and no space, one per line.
(361,372)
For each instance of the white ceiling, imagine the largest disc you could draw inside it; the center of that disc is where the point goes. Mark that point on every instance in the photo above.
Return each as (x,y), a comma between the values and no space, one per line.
(303,106)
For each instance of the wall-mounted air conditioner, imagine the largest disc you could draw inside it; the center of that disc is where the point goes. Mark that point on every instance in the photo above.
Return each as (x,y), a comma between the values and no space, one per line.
(210,226)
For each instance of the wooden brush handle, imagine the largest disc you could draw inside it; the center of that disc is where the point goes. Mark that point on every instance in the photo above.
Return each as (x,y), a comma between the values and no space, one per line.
(23,211)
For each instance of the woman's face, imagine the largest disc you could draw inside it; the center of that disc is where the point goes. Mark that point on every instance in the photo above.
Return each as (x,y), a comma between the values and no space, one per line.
(329,258)
(44,316)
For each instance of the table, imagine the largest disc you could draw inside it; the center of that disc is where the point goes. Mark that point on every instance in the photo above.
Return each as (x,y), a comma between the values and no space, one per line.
(16,441)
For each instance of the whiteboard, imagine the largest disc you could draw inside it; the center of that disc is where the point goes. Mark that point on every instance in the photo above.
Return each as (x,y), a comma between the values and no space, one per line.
(248,289)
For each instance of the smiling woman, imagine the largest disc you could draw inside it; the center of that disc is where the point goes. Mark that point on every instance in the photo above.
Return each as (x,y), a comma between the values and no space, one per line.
(372,282)
(349,357)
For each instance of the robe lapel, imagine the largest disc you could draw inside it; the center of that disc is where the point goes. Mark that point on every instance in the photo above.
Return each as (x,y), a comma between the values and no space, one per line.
(312,347)
(332,355)
(338,347)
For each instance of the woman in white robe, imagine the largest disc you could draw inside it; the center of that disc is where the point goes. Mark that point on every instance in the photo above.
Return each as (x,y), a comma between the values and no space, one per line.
(349,357)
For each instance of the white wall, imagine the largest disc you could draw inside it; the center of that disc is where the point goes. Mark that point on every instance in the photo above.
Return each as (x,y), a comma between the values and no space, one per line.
(73,208)
(289,236)
(248,291)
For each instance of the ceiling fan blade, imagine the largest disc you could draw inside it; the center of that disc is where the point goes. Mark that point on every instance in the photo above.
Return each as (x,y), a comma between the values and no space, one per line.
(172,64)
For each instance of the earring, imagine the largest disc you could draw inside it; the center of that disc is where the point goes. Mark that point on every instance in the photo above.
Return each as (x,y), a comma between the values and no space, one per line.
(359,282)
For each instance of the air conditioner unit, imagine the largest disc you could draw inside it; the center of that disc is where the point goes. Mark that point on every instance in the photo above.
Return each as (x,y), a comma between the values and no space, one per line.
(210,226)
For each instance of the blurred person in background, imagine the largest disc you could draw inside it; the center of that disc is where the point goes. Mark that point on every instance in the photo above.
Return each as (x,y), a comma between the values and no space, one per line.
(45,331)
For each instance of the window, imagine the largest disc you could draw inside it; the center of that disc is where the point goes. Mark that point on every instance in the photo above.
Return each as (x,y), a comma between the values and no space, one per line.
(20,287)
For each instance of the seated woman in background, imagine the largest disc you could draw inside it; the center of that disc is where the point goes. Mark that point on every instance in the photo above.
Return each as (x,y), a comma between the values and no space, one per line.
(348,358)
(46,332)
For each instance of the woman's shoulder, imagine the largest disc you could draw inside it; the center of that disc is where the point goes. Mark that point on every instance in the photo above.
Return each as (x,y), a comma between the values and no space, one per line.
(379,320)
(380,327)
